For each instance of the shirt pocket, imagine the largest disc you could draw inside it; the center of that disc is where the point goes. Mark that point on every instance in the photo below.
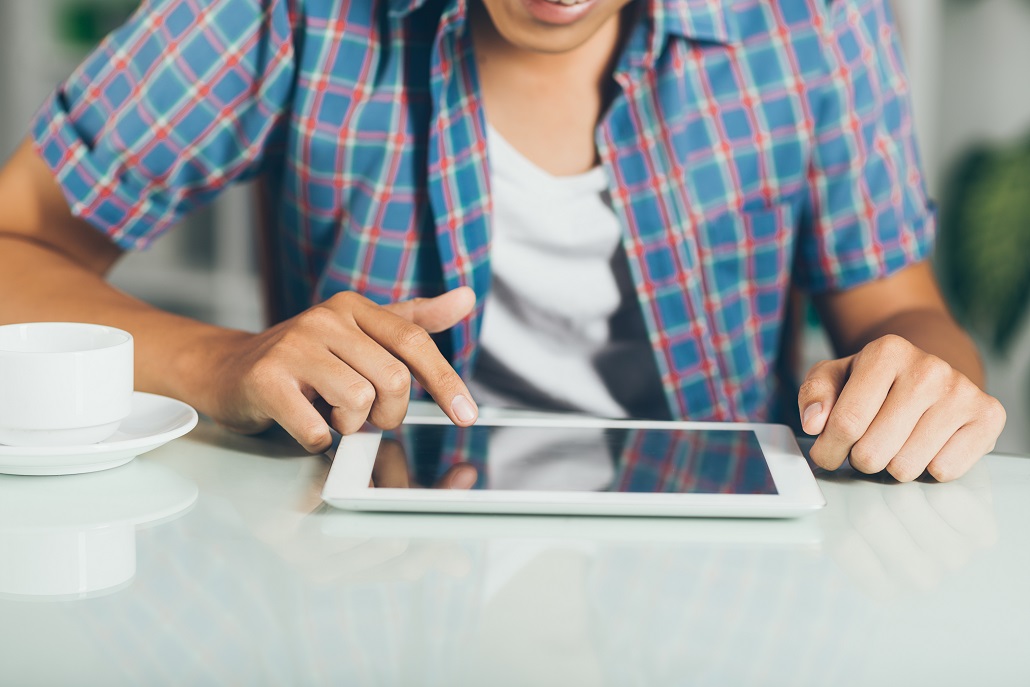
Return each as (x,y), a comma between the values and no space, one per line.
(745,261)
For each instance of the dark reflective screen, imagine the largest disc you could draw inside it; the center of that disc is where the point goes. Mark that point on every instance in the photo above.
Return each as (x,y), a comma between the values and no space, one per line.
(573,459)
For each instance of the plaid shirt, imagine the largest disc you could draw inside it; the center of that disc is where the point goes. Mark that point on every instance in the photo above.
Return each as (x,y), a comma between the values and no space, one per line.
(750,141)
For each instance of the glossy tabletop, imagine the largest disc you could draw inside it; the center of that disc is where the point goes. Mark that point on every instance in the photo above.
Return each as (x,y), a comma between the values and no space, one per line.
(212,561)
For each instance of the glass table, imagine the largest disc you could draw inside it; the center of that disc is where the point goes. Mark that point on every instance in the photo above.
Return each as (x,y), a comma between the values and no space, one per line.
(212,561)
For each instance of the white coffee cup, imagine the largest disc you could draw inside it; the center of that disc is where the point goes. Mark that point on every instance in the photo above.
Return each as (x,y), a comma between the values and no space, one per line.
(63,383)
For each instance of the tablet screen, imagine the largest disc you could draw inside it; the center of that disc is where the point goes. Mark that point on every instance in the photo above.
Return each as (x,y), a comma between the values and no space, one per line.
(573,459)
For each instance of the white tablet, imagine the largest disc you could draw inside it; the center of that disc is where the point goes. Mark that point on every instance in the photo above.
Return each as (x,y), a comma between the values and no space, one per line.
(575,466)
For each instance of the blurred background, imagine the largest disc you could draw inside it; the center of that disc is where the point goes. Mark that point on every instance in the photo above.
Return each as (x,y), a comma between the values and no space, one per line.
(969,65)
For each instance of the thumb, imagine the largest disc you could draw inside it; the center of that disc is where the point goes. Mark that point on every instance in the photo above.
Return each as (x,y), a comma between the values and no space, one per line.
(439,313)
(819,392)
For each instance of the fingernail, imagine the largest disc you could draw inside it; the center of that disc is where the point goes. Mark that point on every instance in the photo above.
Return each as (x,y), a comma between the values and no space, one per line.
(810,412)
(463,409)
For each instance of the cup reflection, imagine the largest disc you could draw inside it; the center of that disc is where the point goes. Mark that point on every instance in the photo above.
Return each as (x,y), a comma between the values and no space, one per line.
(74,536)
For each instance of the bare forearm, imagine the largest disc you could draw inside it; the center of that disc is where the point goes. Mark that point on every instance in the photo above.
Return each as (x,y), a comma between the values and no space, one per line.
(175,356)
(340,352)
(934,332)
(908,304)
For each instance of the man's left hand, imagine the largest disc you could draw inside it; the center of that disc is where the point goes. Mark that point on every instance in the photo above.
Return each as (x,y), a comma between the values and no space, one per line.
(893,406)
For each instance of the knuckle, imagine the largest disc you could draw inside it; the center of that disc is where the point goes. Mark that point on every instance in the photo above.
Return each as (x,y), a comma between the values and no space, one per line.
(967,390)
(396,379)
(942,472)
(993,414)
(413,336)
(886,349)
(959,386)
(346,422)
(901,471)
(983,410)
(291,343)
(891,345)
(932,373)
(866,457)
(441,377)
(815,387)
(967,400)
(317,319)
(846,423)
(389,421)
(818,367)
(360,394)
(345,299)
(824,458)
(314,438)
(875,349)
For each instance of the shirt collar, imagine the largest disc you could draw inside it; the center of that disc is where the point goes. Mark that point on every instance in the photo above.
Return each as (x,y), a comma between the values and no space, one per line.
(702,20)
(401,8)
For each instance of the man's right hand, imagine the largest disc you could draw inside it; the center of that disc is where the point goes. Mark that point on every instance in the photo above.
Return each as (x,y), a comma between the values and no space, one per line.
(336,365)
(339,364)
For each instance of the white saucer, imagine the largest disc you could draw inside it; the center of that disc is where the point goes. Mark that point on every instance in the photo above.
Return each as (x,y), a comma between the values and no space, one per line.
(154,421)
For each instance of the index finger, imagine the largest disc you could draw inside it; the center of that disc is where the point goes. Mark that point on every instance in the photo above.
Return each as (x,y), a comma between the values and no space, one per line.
(415,347)
(860,400)
(462,476)
(391,470)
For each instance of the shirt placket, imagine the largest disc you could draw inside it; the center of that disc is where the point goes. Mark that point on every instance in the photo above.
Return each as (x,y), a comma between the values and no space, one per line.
(687,362)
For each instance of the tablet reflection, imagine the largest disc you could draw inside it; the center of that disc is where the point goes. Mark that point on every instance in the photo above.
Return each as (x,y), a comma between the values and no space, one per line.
(572,592)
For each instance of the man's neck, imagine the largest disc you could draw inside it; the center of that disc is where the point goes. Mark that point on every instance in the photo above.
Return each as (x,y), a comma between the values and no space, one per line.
(546,105)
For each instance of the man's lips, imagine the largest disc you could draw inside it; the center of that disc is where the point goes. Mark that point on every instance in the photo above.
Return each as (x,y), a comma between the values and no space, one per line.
(558,12)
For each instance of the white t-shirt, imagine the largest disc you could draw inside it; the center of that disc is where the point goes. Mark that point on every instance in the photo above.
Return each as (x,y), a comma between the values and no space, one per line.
(562,328)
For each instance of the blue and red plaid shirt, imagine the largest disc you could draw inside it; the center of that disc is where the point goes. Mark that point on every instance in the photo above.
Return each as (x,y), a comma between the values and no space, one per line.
(750,142)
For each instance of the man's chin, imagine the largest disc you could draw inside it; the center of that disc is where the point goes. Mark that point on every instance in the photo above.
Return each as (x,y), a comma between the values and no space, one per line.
(545,27)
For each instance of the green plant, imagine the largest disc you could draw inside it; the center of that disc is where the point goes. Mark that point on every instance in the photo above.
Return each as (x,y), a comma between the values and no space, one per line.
(985,242)
(83,23)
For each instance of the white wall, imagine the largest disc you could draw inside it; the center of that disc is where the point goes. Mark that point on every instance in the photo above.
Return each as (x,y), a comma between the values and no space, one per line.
(984,89)
(21,91)
(985,96)
(204,268)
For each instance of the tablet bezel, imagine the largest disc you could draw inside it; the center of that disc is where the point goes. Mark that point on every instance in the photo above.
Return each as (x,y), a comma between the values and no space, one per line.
(347,485)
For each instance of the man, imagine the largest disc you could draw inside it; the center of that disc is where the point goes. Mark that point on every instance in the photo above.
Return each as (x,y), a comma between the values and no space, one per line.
(628,187)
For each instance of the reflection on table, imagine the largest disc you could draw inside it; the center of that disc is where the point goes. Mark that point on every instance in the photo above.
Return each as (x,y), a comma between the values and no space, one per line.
(75,535)
(260,583)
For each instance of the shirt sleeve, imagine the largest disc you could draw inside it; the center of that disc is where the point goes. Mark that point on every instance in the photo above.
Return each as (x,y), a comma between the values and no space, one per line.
(868,213)
(171,108)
